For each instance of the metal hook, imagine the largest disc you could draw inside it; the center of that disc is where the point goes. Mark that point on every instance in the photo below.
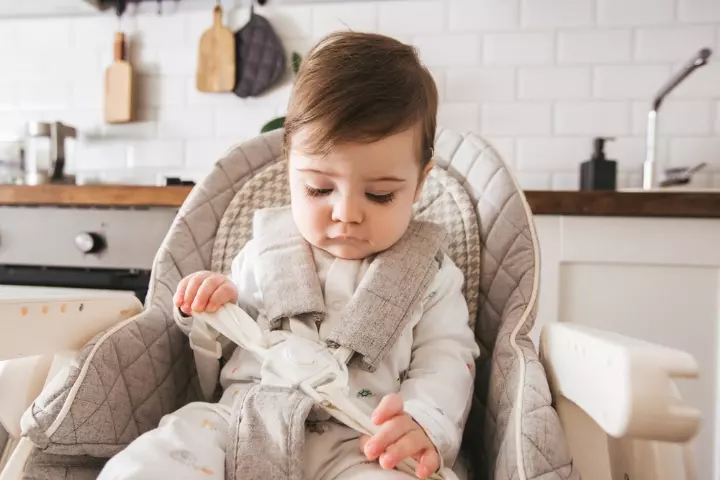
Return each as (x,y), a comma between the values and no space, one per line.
(120,7)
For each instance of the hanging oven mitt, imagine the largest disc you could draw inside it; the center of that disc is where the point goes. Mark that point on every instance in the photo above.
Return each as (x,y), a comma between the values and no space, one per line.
(260,56)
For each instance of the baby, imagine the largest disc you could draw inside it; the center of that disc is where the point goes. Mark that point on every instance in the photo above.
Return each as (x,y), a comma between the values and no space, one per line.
(359,137)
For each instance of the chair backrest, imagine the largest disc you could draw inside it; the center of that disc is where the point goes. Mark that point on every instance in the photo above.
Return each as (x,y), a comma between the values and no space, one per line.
(472,192)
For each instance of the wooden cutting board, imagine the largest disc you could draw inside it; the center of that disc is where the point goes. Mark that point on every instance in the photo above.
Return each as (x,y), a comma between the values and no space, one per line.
(216,58)
(119,85)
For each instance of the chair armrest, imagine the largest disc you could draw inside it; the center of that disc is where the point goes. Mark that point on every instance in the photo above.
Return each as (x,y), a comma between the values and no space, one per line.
(625,385)
(43,324)
(40,334)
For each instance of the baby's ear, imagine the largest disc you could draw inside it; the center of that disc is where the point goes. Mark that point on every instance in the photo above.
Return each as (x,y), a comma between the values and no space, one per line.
(423,177)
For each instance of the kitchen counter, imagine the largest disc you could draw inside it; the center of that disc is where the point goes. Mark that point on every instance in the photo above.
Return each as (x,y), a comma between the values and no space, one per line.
(701,204)
(94,195)
(689,204)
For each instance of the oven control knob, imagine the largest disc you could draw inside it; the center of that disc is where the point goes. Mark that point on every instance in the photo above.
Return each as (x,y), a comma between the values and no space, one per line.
(88,242)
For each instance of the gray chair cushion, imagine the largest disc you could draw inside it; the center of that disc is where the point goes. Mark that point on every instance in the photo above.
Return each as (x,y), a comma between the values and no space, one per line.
(47,466)
(512,425)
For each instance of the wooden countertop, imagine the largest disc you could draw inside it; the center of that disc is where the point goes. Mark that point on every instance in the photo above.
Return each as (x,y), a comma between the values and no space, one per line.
(701,204)
(94,195)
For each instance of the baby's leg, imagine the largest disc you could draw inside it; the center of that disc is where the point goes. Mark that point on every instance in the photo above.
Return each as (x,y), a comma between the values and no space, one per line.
(189,443)
(372,471)
(332,451)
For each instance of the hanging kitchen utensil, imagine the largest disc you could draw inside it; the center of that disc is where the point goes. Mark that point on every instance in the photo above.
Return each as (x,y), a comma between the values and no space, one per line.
(260,56)
(216,58)
(119,79)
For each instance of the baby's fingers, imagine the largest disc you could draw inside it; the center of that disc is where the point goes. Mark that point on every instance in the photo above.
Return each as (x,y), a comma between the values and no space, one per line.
(409,445)
(390,406)
(225,293)
(179,297)
(363,441)
(208,287)
(191,288)
(389,433)
(429,464)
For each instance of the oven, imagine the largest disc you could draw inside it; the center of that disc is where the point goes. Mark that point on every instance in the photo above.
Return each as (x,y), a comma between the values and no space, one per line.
(49,250)
(71,248)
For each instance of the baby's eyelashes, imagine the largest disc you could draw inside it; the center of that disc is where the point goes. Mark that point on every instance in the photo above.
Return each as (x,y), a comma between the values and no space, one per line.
(380,198)
(317,192)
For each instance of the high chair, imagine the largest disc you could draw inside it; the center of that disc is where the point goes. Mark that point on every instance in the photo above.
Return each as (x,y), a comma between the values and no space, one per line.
(592,403)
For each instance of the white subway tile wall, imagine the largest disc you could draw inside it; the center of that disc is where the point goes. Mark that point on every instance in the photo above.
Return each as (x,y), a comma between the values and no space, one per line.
(537,78)
(594,47)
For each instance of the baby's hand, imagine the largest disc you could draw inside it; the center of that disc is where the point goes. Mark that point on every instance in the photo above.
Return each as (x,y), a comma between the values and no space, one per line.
(204,291)
(399,437)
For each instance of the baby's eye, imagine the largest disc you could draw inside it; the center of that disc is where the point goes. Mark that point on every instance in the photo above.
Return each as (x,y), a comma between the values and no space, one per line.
(380,198)
(317,192)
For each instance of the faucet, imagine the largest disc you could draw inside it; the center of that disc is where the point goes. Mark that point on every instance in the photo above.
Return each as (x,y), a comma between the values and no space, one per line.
(698,60)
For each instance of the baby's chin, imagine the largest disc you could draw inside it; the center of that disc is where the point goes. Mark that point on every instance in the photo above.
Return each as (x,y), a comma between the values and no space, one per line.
(347,250)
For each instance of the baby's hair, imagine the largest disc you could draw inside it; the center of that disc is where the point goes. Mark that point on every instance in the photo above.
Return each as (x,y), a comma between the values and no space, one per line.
(361,87)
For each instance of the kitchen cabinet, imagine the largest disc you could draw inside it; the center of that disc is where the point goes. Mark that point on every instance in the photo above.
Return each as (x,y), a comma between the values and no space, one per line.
(656,279)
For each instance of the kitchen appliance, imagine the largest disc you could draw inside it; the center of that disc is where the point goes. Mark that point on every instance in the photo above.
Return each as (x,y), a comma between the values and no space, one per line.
(72,247)
(44,153)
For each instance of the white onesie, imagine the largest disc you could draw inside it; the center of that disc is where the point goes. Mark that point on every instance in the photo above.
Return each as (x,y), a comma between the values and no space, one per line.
(431,366)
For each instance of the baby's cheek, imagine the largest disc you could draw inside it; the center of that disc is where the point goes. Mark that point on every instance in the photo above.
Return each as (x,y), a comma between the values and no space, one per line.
(310,216)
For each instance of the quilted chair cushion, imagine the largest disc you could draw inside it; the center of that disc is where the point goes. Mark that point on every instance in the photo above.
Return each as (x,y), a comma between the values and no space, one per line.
(443,201)
(513,431)
(48,466)
(127,378)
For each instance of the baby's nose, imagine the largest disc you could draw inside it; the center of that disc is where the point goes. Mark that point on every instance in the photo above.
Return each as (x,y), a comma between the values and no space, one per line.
(347,211)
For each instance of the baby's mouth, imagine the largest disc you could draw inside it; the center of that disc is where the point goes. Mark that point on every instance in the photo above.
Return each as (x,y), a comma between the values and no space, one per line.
(346,239)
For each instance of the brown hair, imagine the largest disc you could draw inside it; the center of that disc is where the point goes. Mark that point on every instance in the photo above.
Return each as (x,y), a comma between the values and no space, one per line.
(362,87)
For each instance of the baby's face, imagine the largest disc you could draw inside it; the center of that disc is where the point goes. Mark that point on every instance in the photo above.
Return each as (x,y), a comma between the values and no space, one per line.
(357,200)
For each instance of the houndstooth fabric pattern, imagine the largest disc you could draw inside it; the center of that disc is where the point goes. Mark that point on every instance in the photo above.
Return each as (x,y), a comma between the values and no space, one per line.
(443,201)
(268,188)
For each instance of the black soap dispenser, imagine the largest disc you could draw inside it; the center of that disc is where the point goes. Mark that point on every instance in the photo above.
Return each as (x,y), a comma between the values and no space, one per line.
(598,173)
